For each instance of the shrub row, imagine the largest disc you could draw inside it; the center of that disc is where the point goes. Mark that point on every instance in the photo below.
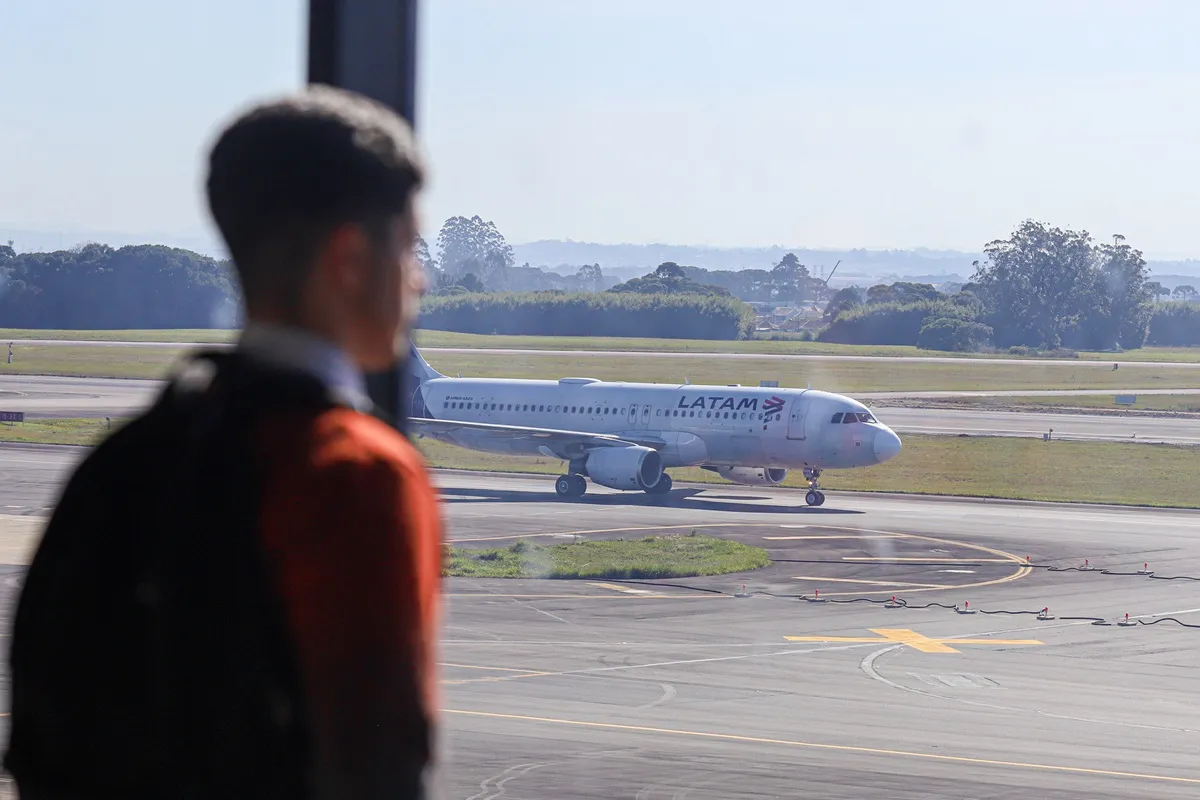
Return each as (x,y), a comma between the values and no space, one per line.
(666,316)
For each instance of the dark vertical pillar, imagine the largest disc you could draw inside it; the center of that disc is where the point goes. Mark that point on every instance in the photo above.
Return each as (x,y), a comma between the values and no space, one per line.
(370,46)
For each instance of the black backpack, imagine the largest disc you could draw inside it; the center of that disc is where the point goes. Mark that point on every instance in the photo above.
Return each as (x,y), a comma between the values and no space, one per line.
(150,654)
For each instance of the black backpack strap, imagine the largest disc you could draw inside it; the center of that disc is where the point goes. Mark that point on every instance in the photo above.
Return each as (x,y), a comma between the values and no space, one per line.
(220,609)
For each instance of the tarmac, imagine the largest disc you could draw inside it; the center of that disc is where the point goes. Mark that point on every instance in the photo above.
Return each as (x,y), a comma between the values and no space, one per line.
(1075,362)
(684,689)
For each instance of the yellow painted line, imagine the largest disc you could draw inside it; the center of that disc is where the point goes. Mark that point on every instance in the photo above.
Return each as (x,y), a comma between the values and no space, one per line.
(843,748)
(820,578)
(626,589)
(1021,573)
(1024,571)
(913,639)
(933,560)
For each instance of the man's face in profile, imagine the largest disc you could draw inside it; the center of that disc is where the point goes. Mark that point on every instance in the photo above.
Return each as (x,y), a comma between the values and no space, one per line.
(368,288)
(393,298)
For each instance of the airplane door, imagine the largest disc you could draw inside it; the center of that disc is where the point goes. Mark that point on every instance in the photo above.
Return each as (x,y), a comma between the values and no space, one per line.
(645,415)
(796,416)
(632,413)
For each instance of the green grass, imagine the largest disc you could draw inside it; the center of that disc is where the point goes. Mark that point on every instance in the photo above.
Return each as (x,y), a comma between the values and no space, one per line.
(78,431)
(837,376)
(91,362)
(672,556)
(1189,403)
(1018,469)
(1178,355)
(1011,468)
(140,335)
(428,338)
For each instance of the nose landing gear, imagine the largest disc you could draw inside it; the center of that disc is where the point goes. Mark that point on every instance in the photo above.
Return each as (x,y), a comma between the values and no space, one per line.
(814,497)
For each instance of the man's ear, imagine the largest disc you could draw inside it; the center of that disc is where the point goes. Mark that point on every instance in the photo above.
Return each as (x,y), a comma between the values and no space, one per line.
(345,260)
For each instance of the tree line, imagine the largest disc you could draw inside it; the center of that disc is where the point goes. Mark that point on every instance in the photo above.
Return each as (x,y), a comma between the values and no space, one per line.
(684,315)
(473,256)
(94,286)
(1044,288)
(1040,289)
(97,287)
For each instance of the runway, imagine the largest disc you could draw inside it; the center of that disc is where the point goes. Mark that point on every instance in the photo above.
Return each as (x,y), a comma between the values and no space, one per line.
(599,689)
(40,396)
(53,396)
(1081,427)
(1100,363)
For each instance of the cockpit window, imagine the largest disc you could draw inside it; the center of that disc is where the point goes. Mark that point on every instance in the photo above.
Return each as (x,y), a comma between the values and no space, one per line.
(849,418)
(836,418)
(863,416)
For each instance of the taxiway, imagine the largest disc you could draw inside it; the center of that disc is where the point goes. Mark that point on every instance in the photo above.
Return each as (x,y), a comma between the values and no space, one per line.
(680,688)
(1087,362)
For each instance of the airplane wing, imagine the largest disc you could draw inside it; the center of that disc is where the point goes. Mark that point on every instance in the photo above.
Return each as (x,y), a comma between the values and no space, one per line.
(565,443)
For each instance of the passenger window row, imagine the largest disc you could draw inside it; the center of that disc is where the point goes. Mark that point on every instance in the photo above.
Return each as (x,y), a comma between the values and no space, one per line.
(850,417)
(528,408)
(597,410)
(745,415)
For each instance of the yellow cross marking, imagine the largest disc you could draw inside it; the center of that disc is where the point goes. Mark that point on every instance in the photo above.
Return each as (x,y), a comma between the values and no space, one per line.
(910,638)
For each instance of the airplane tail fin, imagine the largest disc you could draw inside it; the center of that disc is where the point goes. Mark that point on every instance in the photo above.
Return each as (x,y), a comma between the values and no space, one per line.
(419,368)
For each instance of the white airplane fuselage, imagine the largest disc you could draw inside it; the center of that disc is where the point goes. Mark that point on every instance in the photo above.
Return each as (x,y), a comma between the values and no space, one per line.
(715,426)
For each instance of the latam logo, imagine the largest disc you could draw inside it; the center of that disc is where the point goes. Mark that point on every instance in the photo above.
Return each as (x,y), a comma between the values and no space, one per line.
(718,402)
(773,405)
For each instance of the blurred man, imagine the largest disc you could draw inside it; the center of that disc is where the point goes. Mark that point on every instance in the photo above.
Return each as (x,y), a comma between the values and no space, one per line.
(237,594)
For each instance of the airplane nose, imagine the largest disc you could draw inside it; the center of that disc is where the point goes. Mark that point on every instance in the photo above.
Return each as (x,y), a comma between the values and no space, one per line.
(887,445)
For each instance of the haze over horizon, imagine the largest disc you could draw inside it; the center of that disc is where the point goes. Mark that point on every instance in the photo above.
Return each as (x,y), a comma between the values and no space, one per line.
(939,125)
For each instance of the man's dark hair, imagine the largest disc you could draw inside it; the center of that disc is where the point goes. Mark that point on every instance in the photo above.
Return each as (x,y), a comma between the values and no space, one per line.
(288,172)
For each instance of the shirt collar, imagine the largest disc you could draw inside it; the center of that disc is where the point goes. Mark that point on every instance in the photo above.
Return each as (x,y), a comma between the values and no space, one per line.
(300,350)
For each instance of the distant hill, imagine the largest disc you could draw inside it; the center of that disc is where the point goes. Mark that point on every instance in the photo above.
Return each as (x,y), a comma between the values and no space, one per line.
(865,263)
(858,266)
(31,241)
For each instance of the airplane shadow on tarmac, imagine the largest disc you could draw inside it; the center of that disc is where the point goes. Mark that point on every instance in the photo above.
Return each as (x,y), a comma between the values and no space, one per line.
(678,498)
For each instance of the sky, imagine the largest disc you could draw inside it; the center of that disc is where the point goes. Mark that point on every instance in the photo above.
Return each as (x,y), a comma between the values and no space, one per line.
(825,125)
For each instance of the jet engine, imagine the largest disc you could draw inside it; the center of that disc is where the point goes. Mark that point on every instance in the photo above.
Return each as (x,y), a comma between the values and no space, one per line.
(630,468)
(752,476)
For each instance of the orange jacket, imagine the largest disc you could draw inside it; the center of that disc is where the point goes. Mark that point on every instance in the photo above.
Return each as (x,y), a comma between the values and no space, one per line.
(351,526)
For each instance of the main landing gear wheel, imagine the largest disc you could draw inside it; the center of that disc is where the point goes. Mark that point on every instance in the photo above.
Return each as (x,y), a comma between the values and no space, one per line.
(815,498)
(570,486)
(662,487)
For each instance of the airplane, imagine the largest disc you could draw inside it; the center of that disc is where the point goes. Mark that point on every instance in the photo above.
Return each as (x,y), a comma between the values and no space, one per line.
(626,435)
